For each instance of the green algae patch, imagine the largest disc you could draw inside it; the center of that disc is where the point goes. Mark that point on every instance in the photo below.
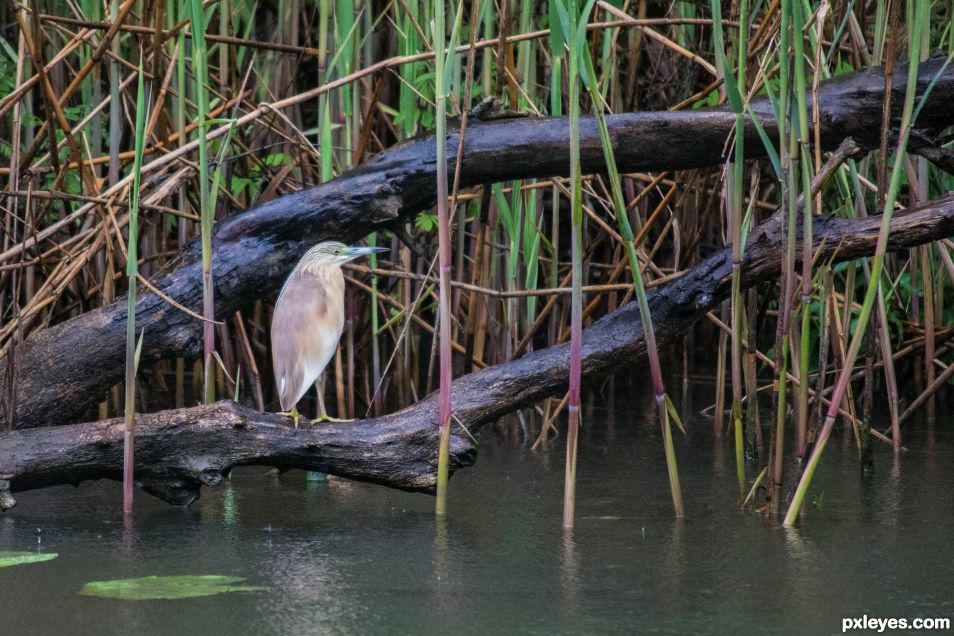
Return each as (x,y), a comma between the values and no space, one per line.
(150,588)
(9,559)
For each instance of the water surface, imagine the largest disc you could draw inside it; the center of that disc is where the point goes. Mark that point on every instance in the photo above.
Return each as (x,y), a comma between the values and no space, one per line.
(341,557)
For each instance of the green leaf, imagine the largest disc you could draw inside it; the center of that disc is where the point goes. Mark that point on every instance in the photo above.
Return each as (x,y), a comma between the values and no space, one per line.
(769,146)
(556,30)
(923,99)
(449,68)
(238,184)
(138,353)
(12,54)
(218,358)
(167,587)
(755,487)
(277,159)
(564,16)
(732,93)
(238,383)
(712,99)
(504,212)
(74,113)
(9,559)
(345,25)
(746,225)
(427,119)
(581,25)
(425,221)
(673,413)
(132,243)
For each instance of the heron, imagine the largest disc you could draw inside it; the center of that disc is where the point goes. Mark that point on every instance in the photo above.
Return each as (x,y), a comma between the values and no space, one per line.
(307,323)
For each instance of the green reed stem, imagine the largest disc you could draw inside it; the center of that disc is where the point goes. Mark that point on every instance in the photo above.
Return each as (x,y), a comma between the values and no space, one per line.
(531,249)
(788,200)
(738,250)
(325,146)
(132,271)
(734,87)
(115,103)
(444,249)
(200,71)
(183,233)
(917,12)
(557,47)
(574,28)
(663,403)
(804,154)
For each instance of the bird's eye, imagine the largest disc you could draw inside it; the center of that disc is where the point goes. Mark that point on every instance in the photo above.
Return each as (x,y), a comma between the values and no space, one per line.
(337,251)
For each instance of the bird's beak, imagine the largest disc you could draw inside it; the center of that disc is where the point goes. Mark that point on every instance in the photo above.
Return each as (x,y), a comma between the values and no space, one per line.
(357,252)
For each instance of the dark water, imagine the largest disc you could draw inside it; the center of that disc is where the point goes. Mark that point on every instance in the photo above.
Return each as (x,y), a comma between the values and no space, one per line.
(346,558)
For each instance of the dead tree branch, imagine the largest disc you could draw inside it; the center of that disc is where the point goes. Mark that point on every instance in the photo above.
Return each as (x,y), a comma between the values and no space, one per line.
(68,367)
(178,451)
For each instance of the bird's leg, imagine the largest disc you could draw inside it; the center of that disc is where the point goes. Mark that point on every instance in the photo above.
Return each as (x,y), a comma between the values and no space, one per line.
(293,413)
(322,413)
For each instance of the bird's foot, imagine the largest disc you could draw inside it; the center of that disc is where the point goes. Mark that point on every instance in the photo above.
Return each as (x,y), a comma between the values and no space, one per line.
(324,417)
(292,414)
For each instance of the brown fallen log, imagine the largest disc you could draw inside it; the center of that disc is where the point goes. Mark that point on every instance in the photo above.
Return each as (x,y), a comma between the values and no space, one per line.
(67,368)
(177,451)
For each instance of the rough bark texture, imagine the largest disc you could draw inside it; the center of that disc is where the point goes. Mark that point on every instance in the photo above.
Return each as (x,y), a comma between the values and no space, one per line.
(616,341)
(67,368)
(177,451)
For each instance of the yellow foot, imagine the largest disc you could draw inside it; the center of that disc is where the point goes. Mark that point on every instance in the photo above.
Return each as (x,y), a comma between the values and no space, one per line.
(292,414)
(324,417)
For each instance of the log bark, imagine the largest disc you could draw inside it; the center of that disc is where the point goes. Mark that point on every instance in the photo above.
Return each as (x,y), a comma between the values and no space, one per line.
(181,450)
(178,451)
(66,368)
(616,341)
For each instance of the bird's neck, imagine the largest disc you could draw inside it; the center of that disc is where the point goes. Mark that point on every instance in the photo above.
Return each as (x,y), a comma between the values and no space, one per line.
(324,271)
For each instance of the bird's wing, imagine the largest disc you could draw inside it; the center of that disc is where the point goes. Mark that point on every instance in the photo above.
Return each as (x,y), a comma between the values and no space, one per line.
(301,308)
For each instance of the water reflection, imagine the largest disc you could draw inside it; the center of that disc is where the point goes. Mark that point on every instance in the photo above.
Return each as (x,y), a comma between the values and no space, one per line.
(892,495)
(230,507)
(570,573)
(798,548)
(675,552)
(442,556)
(346,557)
(718,454)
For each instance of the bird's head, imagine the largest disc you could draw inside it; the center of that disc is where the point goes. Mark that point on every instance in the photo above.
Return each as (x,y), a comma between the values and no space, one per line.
(334,253)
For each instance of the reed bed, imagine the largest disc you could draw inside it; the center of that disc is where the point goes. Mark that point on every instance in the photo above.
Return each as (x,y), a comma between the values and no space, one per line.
(128,128)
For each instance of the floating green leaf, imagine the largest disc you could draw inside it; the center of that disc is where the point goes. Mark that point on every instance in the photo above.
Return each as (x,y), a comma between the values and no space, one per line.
(167,587)
(9,559)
